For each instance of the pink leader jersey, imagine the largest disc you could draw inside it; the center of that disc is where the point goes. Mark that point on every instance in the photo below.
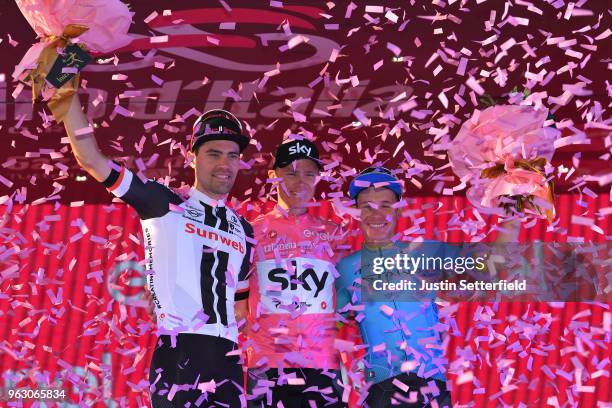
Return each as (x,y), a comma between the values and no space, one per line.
(292,297)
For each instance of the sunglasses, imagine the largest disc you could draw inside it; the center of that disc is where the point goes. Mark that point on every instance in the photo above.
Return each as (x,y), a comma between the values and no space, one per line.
(201,128)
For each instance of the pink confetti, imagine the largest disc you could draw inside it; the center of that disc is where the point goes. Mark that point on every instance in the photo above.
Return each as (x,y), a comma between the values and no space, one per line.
(84,131)
(474,85)
(394,49)
(158,39)
(157,80)
(386,310)
(122,111)
(151,17)
(400,385)
(227,26)
(176,208)
(151,124)
(6,181)
(213,40)
(379,347)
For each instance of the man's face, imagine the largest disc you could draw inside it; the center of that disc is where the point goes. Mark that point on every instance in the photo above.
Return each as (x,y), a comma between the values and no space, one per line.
(378,217)
(216,164)
(298,182)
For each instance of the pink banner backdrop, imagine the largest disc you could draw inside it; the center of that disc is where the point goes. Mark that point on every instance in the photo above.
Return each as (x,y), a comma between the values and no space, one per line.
(384,82)
(371,82)
(71,314)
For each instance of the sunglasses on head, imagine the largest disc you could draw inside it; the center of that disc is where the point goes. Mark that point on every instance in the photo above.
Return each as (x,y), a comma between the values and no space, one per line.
(200,130)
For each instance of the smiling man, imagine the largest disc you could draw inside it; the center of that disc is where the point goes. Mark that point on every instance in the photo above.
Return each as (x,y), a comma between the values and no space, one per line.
(404,353)
(291,324)
(197,253)
(404,361)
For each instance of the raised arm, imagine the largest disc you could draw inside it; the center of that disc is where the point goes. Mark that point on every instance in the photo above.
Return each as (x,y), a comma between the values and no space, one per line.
(84,146)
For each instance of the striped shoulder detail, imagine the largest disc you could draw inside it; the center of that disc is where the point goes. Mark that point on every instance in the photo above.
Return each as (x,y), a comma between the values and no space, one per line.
(122,182)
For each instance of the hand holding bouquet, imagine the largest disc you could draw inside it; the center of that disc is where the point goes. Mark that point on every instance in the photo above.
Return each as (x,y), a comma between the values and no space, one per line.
(66,29)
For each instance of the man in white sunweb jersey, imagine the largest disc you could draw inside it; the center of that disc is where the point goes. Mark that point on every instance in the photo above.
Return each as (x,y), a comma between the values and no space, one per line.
(197,252)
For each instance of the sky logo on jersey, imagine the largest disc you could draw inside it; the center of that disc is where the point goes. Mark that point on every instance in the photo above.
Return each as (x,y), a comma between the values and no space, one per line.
(308,279)
(214,236)
(298,148)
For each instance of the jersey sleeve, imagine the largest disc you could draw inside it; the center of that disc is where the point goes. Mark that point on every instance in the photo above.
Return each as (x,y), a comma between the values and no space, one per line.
(150,199)
(242,287)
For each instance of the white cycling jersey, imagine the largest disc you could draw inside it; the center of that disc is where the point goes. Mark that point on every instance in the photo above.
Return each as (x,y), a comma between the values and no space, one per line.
(197,254)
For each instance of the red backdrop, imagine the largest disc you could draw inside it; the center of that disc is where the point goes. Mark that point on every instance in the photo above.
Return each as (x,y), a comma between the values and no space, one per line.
(67,310)
(60,321)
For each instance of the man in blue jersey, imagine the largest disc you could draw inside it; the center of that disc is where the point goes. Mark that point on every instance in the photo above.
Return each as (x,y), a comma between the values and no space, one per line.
(404,362)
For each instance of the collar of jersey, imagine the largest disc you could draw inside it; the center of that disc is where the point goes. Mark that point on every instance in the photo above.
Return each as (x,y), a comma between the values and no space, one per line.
(203,197)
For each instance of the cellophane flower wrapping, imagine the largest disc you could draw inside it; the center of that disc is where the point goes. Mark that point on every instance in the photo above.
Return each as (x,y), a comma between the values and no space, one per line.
(503,134)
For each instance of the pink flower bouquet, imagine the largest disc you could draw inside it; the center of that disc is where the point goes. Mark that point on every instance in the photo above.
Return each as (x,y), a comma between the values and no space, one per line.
(501,152)
(99,26)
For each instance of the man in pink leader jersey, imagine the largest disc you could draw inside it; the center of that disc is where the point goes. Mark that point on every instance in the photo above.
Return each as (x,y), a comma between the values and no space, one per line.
(291,317)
